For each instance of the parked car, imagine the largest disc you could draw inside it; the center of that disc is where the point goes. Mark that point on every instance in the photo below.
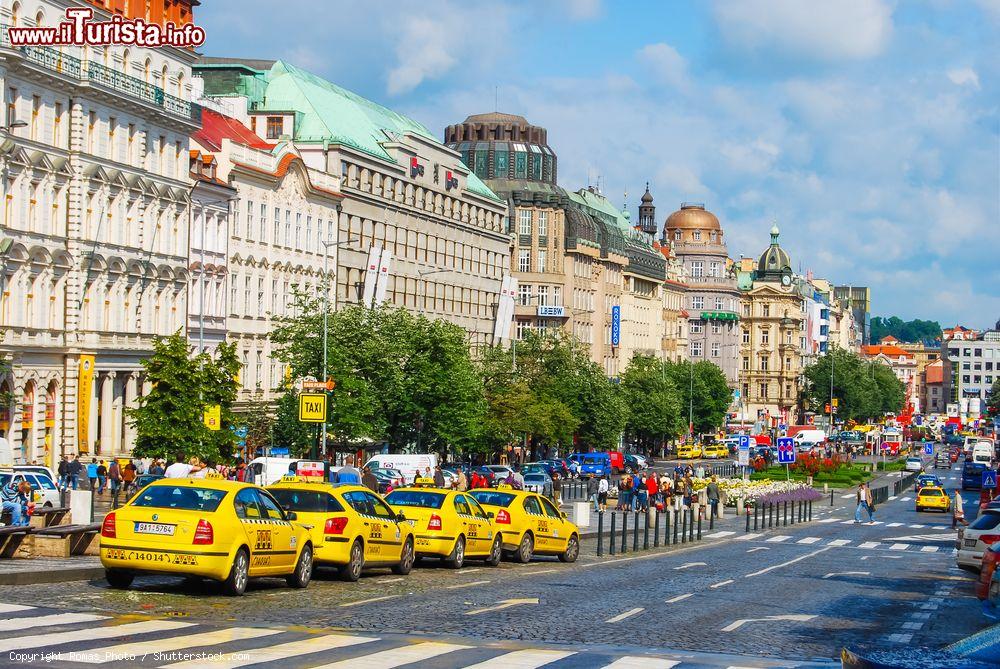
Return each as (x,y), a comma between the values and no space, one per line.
(972,475)
(914,465)
(143,481)
(538,482)
(43,488)
(988,585)
(556,466)
(973,540)
(596,464)
(496,473)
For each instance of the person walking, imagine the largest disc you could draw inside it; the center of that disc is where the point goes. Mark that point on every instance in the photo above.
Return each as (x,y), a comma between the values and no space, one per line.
(102,477)
(864,499)
(641,494)
(592,491)
(713,496)
(348,473)
(463,482)
(61,471)
(129,474)
(438,477)
(602,494)
(178,470)
(74,469)
(92,473)
(369,480)
(115,476)
(652,489)
(156,469)
(556,489)
(958,511)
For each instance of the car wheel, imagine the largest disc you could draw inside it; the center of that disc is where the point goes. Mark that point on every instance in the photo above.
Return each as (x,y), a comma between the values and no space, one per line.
(496,552)
(119,580)
(352,570)
(239,574)
(303,569)
(572,551)
(406,559)
(457,557)
(526,549)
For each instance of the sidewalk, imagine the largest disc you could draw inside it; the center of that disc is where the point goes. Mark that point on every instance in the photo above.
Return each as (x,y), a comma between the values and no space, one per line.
(31,571)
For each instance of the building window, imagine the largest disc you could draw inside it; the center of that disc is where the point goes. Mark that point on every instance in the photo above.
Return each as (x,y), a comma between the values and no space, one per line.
(718,304)
(696,349)
(524,260)
(557,295)
(765,310)
(715,268)
(746,310)
(275,127)
(524,222)
(677,235)
(696,327)
(788,390)
(697,269)
(541,260)
(523,294)
(746,390)
(746,363)
(763,391)
(763,363)
(697,235)
(715,349)
(543,295)
(697,302)
(716,328)
(765,336)
(543,223)
(714,236)
(746,336)
(522,327)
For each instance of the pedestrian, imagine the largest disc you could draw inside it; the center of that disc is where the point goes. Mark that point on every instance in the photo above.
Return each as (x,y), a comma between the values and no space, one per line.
(637,491)
(556,489)
(115,476)
(200,467)
(15,495)
(713,496)
(518,478)
(438,477)
(179,469)
(641,494)
(592,489)
(349,473)
(602,494)
(129,474)
(463,482)
(957,511)
(369,480)
(92,473)
(156,469)
(102,478)
(652,489)
(74,470)
(624,493)
(864,500)
(61,471)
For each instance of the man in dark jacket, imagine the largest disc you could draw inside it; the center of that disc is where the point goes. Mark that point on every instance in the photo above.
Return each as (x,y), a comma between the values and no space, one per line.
(369,480)
(74,468)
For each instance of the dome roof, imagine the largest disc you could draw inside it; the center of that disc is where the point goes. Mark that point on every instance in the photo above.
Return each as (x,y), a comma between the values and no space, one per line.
(496,117)
(774,260)
(693,216)
(647,197)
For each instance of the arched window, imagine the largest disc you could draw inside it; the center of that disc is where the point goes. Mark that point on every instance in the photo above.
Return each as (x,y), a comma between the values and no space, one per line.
(40,18)
(15,13)
(146,70)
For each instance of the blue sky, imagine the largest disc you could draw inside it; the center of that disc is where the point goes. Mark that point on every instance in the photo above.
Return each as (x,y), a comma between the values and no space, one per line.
(869,130)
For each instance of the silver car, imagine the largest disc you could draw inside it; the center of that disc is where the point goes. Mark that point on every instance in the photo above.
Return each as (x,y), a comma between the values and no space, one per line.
(538,482)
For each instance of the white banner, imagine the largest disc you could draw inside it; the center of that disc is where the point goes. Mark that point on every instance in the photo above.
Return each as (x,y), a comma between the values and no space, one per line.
(383,276)
(371,274)
(505,308)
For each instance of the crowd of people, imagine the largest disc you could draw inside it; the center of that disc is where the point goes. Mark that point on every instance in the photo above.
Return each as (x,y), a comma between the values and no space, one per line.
(641,491)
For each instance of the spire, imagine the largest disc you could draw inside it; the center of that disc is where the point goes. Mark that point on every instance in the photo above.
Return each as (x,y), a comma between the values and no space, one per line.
(647,214)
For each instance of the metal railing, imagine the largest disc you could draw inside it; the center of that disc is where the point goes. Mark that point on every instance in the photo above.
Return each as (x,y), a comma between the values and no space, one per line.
(766,515)
(680,526)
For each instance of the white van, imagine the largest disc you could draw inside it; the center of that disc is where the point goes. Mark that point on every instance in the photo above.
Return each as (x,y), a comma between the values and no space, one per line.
(806,440)
(265,471)
(407,463)
(982,451)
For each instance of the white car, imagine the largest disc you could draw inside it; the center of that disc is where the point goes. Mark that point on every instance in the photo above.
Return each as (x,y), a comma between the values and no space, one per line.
(973,540)
(914,465)
(43,488)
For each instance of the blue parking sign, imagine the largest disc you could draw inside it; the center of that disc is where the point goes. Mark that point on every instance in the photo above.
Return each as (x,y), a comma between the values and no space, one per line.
(928,449)
(989,479)
(786,450)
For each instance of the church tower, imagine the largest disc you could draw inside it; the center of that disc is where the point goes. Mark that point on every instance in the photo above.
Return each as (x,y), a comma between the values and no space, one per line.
(647,214)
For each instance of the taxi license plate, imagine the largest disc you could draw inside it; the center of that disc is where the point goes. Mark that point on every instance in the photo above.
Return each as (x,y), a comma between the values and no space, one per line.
(970,543)
(154,528)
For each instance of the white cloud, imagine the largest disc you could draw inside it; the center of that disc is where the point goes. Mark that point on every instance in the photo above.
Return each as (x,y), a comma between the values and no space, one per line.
(755,156)
(964,76)
(581,9)
(423,53)
(666,64)
(823,31)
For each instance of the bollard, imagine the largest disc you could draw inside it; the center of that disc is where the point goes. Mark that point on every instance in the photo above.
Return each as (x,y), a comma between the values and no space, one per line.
(611,544)
(810,511)
(691,525)
(711,516)
(656,528)
(786,513)
(666,527)
(635,533)
(600,534)
(770,520)
(747,514)
(831,497)
(645,536)
(699,527)
(684,526)
(624,532)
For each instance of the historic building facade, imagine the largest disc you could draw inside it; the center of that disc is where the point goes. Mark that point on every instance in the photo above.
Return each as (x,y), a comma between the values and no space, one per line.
(94,246)
(712,295)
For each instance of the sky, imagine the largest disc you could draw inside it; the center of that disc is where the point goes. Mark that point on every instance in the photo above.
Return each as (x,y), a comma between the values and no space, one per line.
(867,130)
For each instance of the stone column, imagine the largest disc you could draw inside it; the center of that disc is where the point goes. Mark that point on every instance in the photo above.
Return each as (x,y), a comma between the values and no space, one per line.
(117,409)
(131,393)
(107,424)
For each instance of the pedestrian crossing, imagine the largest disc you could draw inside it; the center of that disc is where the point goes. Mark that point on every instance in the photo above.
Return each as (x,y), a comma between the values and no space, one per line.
(68,638)
(902,544)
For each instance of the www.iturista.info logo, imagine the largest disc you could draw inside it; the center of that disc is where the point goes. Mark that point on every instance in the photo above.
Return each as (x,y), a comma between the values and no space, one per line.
(79,29)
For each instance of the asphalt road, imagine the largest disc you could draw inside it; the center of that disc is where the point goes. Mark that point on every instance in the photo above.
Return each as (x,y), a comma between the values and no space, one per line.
(792,596)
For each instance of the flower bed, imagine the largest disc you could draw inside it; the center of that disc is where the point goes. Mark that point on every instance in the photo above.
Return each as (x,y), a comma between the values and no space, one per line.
(761,490)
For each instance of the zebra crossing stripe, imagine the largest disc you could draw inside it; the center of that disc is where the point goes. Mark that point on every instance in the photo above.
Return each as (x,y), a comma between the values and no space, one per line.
(93,634)
(52,620)
(894,525)
(719,535)
(396,657)
(929,549)
(899,547)
(101,655)
(14,608)
(917,527)
(778,539)
(808,540)
(869,544)
(829,520)
(633,662)
(523,659)
(840,542)
(274,653)
(846,522)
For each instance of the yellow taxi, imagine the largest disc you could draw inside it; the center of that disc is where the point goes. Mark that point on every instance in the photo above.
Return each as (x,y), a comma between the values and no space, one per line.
(210,527)
(352,527)
(933,497)
(715,451)
(530,524)
(689,451)
(448,524)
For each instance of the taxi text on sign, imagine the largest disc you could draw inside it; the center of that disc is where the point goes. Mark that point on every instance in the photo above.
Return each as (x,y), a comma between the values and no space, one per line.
(312,408)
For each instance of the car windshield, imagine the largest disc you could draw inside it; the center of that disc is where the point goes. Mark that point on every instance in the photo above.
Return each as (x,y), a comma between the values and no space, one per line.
(592,460)
(305,501)
(180,497)
(913,459)
(932,492)
(534,477)
(421,498)
(493,498)
(974,466)
(987,521)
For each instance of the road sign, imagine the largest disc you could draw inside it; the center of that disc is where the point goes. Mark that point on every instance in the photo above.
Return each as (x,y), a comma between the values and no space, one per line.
(989,479)
(327,385)
(312,408)
(786,450)
(213,417)
(928,449)
(279,451)
(782,426)
(240,432)
(743,450)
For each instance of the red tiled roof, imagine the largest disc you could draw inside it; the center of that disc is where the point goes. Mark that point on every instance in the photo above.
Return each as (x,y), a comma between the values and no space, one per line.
(889,351)
(935,372)
(215,127)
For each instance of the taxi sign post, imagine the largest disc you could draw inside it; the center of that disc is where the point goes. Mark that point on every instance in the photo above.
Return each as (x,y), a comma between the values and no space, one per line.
(213,417)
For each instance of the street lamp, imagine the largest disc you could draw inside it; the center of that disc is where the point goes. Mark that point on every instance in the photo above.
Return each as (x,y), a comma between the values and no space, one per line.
(326,308)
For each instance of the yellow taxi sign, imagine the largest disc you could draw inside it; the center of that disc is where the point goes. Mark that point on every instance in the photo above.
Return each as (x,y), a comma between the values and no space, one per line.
(293,478)
(312,408)
(424,482)
(213,417)
(505,486)
(214,475)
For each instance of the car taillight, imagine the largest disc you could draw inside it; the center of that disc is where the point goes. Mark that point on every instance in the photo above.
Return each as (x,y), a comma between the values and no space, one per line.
(503,517)
(989,539)
(108,527)
(434,523)
(203,534)
(335,525)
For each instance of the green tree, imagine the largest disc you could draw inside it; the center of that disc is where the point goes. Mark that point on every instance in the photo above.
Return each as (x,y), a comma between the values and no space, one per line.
(6,398)
(170,418)
(259,423)
(906,331)
(652,401)
(864,390)
(289,433)
(711,394)
(993,401)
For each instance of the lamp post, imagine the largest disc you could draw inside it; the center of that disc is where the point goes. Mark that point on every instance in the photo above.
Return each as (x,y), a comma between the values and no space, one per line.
(327,243)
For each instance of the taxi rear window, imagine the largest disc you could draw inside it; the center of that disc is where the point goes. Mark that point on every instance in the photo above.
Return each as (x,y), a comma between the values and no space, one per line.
(933,492)
(493,498)
(180,497)
(306,501)
(425,499)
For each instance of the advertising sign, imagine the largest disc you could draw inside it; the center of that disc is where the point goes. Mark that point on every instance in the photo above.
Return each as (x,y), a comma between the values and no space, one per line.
(85,396)
(616,325)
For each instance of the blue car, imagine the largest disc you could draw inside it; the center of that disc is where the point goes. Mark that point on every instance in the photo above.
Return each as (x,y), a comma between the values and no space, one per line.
(595,464)
(972,475)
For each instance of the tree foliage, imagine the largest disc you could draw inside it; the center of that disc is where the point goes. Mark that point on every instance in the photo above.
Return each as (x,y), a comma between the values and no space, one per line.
(993,401)
(865,390)
(704,394)
(652,402)
(170,419)
(914,331)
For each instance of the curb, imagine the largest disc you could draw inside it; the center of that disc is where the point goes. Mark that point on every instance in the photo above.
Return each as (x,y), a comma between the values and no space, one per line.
(54,576)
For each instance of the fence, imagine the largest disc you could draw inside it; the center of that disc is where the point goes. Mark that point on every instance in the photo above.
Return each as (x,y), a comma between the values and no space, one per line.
(678,527)
(770,514)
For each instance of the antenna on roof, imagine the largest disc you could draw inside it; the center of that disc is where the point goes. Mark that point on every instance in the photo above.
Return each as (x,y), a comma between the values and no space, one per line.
(496,98)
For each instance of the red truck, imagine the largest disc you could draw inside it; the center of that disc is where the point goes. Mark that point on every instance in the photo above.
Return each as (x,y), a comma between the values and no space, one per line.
(617,461)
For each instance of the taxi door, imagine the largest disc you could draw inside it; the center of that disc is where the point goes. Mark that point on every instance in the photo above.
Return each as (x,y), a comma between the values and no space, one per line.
(559,534)
(485,525)
(251,519)
(390,537)
(282,545)
(538,523)
(472,526)
(372,531)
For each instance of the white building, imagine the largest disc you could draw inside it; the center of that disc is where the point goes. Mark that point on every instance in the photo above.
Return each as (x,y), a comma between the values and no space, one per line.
(95,222)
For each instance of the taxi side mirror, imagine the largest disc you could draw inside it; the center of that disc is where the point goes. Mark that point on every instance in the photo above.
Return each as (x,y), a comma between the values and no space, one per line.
(291,515)
(563,514)
(400,518)
(490,515)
